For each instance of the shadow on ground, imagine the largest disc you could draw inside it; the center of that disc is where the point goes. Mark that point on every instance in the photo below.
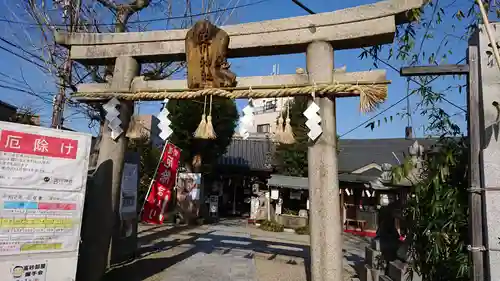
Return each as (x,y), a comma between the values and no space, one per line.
(161,249)
(357,263)
(156,233)
(154,258)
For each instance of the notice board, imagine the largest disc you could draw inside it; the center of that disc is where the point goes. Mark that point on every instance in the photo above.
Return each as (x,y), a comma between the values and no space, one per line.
(43,175)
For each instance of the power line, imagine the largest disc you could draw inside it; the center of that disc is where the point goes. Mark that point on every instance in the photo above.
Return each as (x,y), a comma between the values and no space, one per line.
(399,101)
(77,106)
(24,58)
(393,68)
(44,99)
(377,115)
(304,7)
(21,48)
(417,82)
(14,80)
(144,21)
(25,90)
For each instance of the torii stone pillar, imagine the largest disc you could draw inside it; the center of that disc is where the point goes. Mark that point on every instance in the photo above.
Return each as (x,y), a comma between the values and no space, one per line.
(326,235)
(103,196)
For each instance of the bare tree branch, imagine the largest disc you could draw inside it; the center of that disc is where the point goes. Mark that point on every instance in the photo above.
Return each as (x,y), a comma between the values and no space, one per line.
(108,4)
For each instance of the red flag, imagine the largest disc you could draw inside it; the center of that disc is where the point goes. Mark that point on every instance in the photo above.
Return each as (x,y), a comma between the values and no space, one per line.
(160,191)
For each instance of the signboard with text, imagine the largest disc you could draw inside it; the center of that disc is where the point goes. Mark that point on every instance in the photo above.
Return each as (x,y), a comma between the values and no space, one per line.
(43,173)
(45,161)
(160,191)
(128,199)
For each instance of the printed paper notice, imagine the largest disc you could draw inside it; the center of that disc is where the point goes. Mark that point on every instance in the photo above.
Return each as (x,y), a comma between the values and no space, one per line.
(29,271)
(39,221)
(129,189)
(42,158)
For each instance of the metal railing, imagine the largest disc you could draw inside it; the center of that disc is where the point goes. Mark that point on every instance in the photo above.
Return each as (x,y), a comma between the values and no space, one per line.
(264,109)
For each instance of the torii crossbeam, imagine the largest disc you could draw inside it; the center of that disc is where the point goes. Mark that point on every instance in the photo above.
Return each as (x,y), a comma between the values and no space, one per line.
(351,28)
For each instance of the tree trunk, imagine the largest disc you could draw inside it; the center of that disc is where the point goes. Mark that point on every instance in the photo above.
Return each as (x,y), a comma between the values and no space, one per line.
(101,219)
(123,14)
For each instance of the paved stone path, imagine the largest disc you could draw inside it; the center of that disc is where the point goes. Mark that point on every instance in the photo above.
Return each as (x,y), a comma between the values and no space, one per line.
(212,267)
(228,251)
(216,261)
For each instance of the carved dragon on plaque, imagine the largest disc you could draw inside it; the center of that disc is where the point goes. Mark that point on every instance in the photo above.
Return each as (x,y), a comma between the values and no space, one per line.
(206,57)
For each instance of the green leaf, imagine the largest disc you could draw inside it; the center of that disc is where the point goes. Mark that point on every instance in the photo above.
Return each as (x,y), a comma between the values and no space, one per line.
(370,125)
(186,115)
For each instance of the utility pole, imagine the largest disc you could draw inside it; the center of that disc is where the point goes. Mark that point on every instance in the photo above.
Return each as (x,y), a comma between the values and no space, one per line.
(69,11)
(60,98)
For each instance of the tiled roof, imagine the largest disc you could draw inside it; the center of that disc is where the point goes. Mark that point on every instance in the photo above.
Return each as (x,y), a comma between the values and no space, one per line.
(288,182)
(357,153)
(8,105)
(354,153)
(303,183)
(250,154)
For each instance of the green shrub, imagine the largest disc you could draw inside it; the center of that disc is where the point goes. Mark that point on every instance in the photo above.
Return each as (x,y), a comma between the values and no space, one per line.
(271,226)
(290,212)
(304,230)
(436,216)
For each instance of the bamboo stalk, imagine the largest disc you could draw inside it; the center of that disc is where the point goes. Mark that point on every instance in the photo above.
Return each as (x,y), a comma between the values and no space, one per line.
(493,43)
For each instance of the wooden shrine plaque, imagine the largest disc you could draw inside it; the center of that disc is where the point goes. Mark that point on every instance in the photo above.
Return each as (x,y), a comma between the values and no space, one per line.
(206,57)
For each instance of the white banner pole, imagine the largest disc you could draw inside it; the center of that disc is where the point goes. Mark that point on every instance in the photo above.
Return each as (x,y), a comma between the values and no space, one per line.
(154,177)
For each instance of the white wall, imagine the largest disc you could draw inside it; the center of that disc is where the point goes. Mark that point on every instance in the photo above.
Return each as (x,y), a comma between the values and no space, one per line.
(267,116)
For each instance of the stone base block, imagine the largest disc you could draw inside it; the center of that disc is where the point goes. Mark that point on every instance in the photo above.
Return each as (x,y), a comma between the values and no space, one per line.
(375,244)
(290,221)
(371,256)
(397,271)
(369,273)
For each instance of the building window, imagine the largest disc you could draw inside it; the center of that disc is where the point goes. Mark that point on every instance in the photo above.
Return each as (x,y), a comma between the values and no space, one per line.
(269,105)
(263,128)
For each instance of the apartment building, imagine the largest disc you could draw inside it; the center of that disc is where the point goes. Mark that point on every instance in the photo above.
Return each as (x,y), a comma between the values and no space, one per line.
(7,111)
(145,126)
(11,113)
(266,112)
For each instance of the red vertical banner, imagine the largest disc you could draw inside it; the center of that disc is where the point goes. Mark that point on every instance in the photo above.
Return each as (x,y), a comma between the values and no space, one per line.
(161,186)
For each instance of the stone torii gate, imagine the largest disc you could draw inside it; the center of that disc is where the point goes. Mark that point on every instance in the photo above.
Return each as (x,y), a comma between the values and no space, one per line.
(316,35)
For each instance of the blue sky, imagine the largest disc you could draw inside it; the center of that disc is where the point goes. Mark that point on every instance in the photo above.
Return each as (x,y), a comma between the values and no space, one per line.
(348,115)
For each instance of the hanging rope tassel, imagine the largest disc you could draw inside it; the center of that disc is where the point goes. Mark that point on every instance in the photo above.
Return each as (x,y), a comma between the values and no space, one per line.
(200,132)
(287,136)
(279,127)
(278,135)
(209,130)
